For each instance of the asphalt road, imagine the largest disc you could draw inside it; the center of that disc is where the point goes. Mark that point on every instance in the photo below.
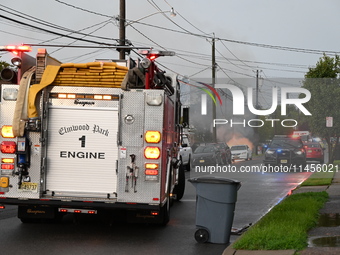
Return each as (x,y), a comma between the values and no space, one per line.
(90,235)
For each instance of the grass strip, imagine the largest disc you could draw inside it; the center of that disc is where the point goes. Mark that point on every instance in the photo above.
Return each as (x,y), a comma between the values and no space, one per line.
(322,174)
(286,225)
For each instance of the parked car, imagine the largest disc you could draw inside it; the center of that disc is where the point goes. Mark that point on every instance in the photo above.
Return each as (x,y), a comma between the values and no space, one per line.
(207,154)
(241,152)
(314,152)
(185,152)
(225,152)
(286,150)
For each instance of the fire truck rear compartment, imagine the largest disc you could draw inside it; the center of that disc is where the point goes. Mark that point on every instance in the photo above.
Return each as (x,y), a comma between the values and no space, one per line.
(82,151)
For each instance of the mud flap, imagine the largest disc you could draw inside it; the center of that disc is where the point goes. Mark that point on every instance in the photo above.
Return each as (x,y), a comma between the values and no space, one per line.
(36,212)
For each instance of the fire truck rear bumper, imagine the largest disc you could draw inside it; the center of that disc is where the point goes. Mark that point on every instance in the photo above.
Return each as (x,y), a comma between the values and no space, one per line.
(79,204)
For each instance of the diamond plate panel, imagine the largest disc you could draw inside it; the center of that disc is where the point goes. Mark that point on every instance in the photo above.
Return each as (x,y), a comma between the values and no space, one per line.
(146,118)
(133,106)
(6,112)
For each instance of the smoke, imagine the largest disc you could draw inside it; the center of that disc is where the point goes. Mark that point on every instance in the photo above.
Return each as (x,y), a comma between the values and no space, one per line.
(202,125)
(235,138)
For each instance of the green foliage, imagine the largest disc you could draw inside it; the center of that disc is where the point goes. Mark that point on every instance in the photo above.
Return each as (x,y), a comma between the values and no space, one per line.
(4,64)
(323,83)
(286,225)
(326,67)
(322,174)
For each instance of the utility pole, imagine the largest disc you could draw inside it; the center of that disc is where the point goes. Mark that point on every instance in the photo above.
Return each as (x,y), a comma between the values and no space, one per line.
(257,89)
(256,107)
(122,29)
(213,84)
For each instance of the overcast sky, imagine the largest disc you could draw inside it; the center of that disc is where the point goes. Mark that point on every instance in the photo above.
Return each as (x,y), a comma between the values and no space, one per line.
(246,32)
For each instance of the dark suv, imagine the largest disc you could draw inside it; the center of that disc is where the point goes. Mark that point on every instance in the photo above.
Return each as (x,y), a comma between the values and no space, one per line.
(286,150)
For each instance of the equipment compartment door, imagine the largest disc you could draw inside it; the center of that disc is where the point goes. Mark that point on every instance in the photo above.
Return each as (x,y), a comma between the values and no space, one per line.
(82,151)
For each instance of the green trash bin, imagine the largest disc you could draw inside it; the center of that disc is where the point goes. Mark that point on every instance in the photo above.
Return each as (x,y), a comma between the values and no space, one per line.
(215,206)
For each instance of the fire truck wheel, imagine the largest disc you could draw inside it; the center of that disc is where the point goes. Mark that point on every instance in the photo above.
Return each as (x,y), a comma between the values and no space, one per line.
(180,187)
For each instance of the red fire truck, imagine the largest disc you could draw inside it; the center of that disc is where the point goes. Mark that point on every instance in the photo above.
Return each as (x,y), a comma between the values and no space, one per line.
(90,137)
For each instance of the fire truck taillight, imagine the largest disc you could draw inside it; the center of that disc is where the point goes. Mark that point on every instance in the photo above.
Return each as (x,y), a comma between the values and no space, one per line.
(152,152)
(151,166)
(151,172)
(4,182)
(7,160)
(8,147)
(7,166)
(71,210)
(152,136)
(7,132)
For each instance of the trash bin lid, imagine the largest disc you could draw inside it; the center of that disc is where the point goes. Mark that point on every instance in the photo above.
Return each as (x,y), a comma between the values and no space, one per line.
(214,179)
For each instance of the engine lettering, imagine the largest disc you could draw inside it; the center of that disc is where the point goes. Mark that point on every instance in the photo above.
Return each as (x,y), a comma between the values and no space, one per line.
(80,154)
(97,129)
(64,130)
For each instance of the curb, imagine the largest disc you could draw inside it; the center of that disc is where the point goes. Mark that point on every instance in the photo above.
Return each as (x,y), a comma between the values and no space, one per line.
(308,251)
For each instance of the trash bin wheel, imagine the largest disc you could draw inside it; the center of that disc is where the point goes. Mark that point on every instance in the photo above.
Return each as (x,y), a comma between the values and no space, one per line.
(201,235)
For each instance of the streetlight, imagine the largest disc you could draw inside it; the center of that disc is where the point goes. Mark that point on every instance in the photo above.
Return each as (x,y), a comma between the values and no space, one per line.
(172,14)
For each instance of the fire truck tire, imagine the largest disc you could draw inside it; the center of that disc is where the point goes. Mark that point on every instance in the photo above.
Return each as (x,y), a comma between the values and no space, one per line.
(180,187)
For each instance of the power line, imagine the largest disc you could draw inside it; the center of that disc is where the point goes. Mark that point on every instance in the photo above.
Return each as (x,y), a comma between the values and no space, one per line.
(181,56)
(85,10)
(160,10)
(234,54)
(55,33)
(82,37)
(229,60)
(262,45)
(162,46)
(43,22)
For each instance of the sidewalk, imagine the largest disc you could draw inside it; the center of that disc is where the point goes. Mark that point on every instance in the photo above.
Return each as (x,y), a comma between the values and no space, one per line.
(331,231)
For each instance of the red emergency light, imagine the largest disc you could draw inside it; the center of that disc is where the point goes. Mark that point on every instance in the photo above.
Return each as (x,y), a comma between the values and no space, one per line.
(152,56)
(16,49)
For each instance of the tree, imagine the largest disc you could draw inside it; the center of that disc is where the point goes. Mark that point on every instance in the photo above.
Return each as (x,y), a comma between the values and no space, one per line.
(4,64)
(322,81)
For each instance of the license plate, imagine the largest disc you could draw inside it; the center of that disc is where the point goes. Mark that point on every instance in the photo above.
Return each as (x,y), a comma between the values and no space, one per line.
(29,186)
(201,160)
(310,151)
(283,161)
